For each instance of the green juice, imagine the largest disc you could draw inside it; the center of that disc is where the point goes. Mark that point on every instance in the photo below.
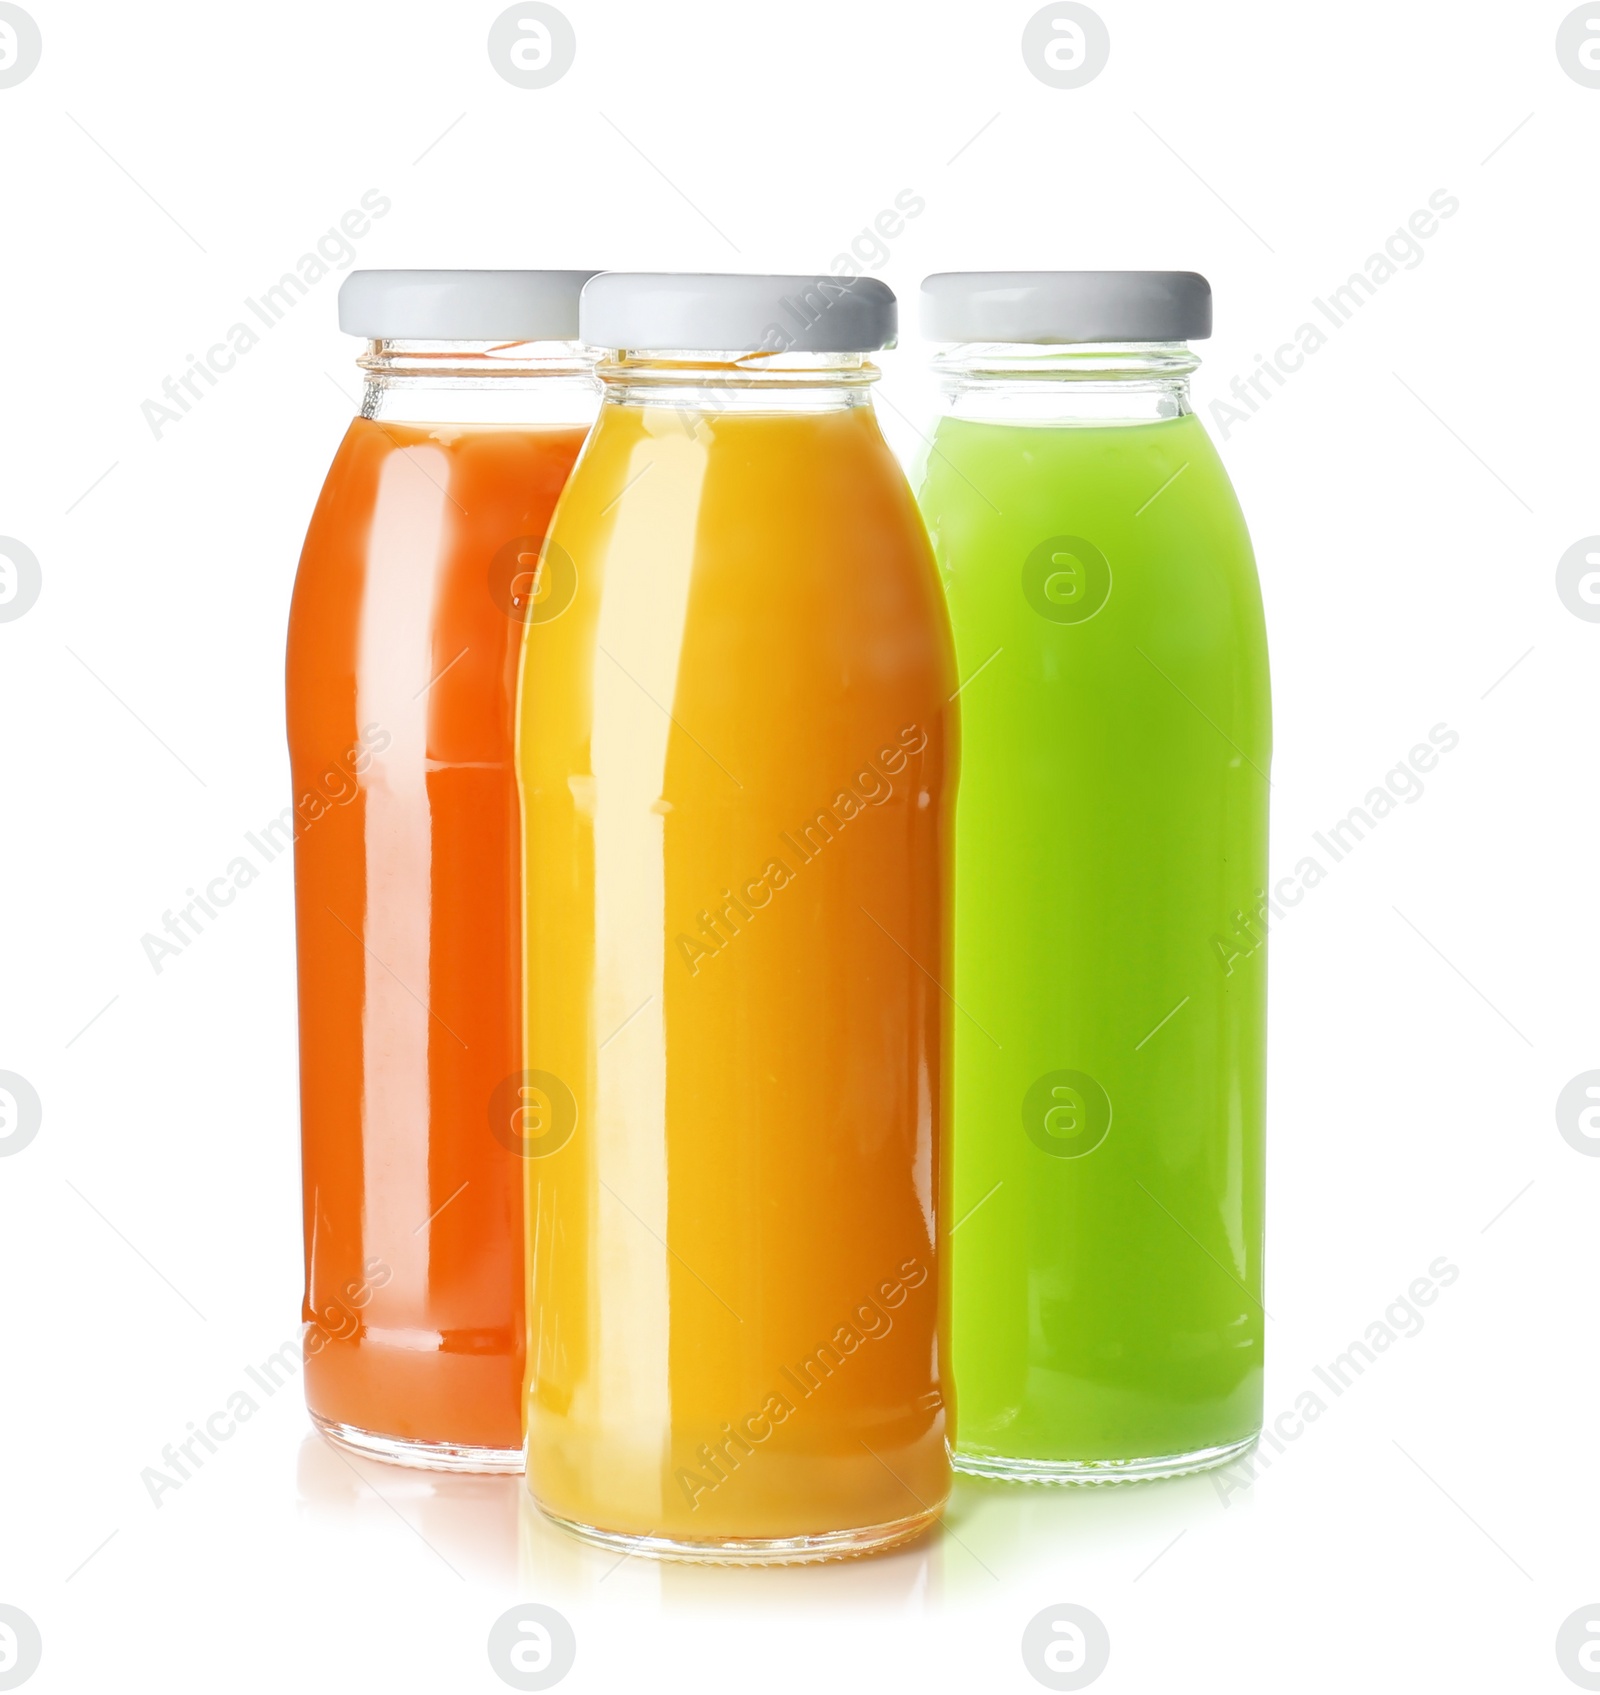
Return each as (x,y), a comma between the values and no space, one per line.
(1110,966)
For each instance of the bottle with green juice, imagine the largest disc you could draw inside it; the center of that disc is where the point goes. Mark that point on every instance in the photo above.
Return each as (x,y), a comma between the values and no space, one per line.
(1111,857)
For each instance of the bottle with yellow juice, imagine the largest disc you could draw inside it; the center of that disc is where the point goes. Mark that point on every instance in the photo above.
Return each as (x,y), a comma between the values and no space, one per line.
(737,762)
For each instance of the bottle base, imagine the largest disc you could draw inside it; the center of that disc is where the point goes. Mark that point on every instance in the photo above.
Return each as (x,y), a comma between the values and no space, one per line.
(424,1456)
(755,1551)
(1096,1472)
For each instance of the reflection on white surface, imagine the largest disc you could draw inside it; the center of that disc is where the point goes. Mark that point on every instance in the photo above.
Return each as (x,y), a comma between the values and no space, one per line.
(992,1536)
(469,1521)
(1000,1533)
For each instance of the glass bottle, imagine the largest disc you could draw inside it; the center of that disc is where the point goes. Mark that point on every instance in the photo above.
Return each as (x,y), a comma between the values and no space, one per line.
(404,634)
(737,759)
(1109,910)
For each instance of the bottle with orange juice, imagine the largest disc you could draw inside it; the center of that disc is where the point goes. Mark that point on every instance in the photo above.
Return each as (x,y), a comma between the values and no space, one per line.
(414,584)
(737,754)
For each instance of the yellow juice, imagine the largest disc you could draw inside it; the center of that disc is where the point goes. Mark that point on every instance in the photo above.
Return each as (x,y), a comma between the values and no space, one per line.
(736,751)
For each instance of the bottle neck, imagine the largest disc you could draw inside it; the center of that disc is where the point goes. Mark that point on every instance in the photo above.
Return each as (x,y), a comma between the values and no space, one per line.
(479,382)
(1082,383)
(738,382)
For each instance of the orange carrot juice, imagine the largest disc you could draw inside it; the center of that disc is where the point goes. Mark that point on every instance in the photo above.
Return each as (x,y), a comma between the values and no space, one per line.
(402,661)
(737,757)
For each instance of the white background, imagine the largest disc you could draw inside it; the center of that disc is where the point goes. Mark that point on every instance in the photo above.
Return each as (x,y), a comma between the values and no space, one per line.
(1410,491)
